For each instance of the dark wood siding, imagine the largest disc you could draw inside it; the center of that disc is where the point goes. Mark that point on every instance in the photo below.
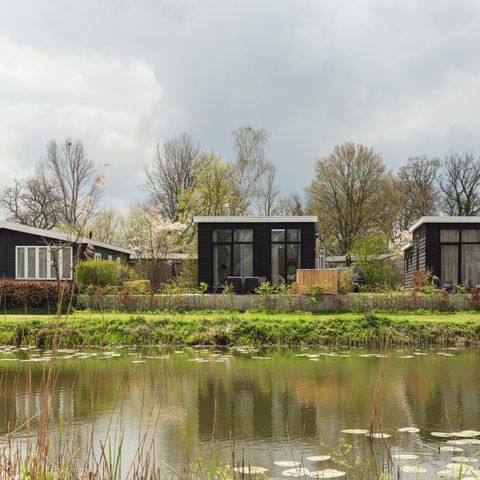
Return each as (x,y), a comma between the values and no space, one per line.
(9,239)
(261,246)
(427,248)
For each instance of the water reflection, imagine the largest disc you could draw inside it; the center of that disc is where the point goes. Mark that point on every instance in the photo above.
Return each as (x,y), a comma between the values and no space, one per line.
(263,409)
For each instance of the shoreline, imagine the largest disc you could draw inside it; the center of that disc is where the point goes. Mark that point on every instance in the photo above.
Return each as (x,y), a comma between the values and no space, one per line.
(292,329)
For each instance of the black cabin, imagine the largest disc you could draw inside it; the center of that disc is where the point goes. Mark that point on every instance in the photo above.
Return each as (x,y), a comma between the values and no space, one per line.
(29,253)
(250,250)
(448,246)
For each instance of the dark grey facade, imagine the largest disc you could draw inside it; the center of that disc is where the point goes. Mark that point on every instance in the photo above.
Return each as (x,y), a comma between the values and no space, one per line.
(447,246)
(263,248)
(16,245)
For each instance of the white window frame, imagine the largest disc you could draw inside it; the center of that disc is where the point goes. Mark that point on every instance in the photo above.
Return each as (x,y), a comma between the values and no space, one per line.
(97,256)
(60,250)
(110,258)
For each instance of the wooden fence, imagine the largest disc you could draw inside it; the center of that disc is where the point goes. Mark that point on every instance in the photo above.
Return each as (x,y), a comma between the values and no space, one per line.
(309,278)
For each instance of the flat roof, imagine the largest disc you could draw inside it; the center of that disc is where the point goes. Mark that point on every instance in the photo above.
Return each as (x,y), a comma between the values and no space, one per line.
(41,232)
(443,219)
(256,219)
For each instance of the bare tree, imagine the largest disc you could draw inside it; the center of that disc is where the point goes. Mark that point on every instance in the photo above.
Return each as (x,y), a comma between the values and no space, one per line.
(266,193)
(353,195)
(71,173)
(416,183)
(290,205)
(171,173)
(33,201)
(250,163)
(460,184)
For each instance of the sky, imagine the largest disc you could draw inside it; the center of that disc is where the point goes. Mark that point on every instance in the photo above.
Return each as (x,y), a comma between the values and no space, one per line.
(400,76)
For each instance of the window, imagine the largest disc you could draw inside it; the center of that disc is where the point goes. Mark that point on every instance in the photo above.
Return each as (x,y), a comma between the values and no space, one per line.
(449,236)
(460,256)
(232,254)
(470,236)
(40,263)
(470,264)
(286,254)
(97,256)
(110,257)
(449,264)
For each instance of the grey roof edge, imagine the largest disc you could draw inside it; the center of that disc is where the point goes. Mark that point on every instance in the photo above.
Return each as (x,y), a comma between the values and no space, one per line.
(255,219)
(41,232)
(443,219)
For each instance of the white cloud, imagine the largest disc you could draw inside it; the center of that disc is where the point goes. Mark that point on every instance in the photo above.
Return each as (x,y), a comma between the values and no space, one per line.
(97,97)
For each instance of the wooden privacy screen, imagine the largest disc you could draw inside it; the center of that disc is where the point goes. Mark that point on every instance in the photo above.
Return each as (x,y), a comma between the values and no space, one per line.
(308,278)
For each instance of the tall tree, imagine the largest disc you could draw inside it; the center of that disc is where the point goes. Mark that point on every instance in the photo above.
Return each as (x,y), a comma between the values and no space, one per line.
(266,194)
(63,191)
(171,173)
(250,164)
(213,190)
(417,184)
(70,171)
(353,195)
(290,205)
(460,184)
(33,201)
(106,226)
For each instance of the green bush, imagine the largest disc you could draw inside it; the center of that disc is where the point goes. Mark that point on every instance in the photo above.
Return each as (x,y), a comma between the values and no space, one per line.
(126,273)
(138,287)
(98,273)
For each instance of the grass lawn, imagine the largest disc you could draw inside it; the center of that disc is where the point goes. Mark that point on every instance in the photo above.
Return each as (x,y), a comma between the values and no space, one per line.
(419,316)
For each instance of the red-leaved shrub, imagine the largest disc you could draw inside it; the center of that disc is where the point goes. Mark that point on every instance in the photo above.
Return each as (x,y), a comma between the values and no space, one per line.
(31,294)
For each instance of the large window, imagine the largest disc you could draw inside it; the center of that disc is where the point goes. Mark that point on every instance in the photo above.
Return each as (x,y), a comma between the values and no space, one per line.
(232,254)
(285,254)
(41,263)
(460,256)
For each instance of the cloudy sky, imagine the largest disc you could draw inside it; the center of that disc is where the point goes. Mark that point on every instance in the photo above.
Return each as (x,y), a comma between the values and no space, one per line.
(401,76)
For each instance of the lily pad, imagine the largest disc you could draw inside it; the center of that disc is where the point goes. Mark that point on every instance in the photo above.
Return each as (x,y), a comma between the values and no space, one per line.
(296,472)
(355,431)
(250,469)
(287,463)
(405,456)
(409,429)
(327,473)
(319,458)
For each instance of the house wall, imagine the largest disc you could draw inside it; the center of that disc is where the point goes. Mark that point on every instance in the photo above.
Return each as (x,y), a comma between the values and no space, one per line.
(261,246)
(427,248)
(9,239)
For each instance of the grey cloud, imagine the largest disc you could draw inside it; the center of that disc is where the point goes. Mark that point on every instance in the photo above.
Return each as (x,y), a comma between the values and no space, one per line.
(399,76)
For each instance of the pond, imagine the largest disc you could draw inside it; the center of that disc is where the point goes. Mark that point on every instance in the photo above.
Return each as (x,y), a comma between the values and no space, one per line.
(261,407)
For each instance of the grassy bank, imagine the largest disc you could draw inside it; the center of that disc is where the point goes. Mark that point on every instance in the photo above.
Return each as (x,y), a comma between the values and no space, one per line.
(251,328)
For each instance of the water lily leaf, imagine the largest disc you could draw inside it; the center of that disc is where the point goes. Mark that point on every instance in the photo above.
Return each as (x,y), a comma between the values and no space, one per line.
(327,473)
(319,458)
(405,456)
(409,429)
(451,448)
(296,472)
(287,463)
(250,469)
(355,431)
(378,435)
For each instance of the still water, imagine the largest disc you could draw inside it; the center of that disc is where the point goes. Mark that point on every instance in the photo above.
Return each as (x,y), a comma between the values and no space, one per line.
(264,406)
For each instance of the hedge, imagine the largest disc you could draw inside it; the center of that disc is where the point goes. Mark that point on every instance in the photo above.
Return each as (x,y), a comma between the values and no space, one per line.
(31,293)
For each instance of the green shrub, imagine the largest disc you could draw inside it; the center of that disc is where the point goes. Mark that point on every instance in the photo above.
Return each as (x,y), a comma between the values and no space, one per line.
(316,291)
(126,273)
(138,287)
(99,273)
